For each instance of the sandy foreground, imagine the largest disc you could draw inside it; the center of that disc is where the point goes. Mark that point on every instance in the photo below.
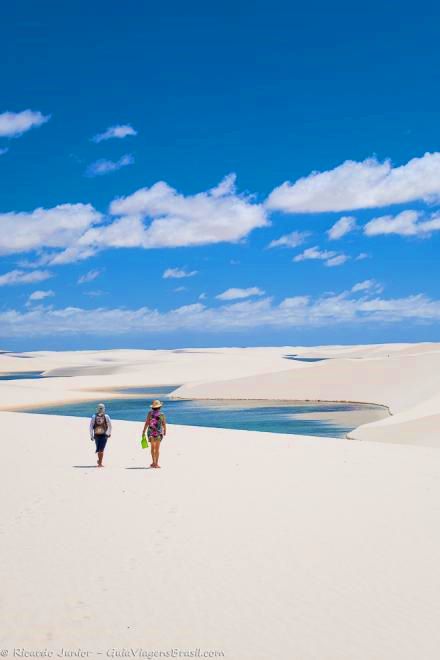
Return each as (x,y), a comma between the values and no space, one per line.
(254,545)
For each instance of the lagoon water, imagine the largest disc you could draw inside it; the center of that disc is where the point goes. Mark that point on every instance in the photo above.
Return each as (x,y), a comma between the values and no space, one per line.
(305,418)
(21,375)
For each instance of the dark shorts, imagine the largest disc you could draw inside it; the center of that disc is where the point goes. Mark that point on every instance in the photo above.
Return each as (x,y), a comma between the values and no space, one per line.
(101,441)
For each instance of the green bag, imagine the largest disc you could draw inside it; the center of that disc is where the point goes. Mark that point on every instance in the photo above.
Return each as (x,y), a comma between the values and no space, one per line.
(144,442)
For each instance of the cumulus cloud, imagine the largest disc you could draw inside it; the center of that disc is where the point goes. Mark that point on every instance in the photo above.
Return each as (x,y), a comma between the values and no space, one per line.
(89,276)
(24,277)
(39,295)
(72,255)
(150,218)
(14,124)
(217,215)
(406,223)
(343,226)
(57,227)
(367,285)
(236,294)
(178,273)
(316,254)
(339,260)
(361,256)
(103,166)
(119,131)
(358,185)
(294,312)
(292,240)
(225,187)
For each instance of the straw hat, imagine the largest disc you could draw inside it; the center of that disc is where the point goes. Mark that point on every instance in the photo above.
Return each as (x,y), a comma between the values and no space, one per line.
(156,404)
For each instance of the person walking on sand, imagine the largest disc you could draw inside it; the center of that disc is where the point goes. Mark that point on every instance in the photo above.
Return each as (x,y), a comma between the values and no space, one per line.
(156,427)
(100,431)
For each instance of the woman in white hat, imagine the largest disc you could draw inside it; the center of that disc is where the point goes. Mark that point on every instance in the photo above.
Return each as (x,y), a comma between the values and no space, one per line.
(156,427)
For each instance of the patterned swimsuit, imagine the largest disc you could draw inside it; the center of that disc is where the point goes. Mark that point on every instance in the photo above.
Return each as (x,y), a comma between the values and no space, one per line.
(155,425)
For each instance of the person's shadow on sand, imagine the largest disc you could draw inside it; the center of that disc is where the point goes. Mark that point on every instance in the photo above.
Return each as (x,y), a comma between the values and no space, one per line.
(84,466)
(143,467)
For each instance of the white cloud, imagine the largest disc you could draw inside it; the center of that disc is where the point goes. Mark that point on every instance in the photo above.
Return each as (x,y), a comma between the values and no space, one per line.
(40,295)
(23,277)
(72,255)
(361,256)
(120,131)
(339,260)
(314,253)
(57,227)
(178,273)
(179,289)
(343,226)
(89,276)
(362,286)
(225,187)
(294,312)
(100,167)
(294,239)
(236,294)
(150,218)
(218,215)
(3,151)
(406,223)
(358,185)
(367,285)
(14,124)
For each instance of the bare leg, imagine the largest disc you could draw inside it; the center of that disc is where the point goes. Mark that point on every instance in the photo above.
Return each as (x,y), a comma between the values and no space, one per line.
(100,457)
(152,453)
(157,443)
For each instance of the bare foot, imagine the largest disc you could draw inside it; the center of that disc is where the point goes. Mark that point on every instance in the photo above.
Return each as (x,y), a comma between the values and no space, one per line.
(157,465)
(153,465)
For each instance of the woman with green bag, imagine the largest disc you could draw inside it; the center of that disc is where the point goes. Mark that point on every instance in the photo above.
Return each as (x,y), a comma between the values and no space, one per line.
(156,428)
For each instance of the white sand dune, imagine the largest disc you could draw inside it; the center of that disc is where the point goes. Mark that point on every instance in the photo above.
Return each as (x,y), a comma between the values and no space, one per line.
(406,380)
(259,545)
(82,375)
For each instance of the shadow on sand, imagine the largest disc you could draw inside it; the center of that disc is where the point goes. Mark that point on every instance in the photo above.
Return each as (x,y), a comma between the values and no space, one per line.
(144,467)
(84,466)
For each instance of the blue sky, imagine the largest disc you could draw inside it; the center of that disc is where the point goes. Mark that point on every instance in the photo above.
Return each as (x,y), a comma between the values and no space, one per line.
(151,159)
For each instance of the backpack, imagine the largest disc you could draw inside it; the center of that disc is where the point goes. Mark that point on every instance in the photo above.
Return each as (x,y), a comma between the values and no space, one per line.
(100,425)
(155,424)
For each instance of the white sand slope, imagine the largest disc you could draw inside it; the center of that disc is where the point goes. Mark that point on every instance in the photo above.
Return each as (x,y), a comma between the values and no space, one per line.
(257,545)
(407,381)
(403,377)
(82,375)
